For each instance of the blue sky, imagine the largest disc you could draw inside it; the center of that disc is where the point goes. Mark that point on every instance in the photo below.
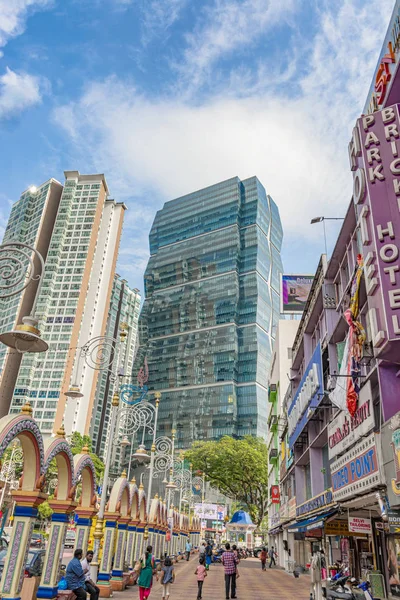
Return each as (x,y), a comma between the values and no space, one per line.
(169,96)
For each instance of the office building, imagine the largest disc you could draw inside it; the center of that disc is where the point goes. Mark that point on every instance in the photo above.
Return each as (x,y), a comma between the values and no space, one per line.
(211,308)
(123,310)
(73,304)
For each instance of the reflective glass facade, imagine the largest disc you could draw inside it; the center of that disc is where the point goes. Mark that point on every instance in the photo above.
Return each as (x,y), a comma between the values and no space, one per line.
(211,308)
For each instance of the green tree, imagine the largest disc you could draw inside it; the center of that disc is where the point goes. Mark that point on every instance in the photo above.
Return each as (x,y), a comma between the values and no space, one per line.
(78,442)
(238,468)
(45,511)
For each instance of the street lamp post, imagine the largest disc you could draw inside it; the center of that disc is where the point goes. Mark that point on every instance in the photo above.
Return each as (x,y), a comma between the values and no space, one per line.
(322,220)
(17,271)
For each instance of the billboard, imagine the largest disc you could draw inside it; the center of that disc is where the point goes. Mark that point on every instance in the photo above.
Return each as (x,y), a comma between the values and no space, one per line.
(215,512)
(294,292)
(307,397)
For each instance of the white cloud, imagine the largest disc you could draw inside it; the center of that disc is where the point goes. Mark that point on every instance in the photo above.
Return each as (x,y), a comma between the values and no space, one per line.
(226,26)
(293,138)
(17,92)
(13,15)
(159,16)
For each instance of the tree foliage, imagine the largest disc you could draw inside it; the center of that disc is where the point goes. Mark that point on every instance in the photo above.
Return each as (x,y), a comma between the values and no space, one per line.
(78,442)
(45,511)
(238,468)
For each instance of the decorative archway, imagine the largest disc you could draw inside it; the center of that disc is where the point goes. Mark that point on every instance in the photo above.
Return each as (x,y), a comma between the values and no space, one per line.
(84,473)
(117,513)
(27,498)
(63,505)
(131,544)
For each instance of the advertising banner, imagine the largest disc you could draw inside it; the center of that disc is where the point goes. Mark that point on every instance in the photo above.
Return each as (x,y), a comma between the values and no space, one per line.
(308,396)
(394,521)
(360,525)
(390,433)
(345,430)
(215,512)
(275,494)
(357,471)
(338,527)
(295,290)
(315,503)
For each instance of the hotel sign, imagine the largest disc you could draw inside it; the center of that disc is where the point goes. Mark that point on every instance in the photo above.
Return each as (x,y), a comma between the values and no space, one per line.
(357,471)
(308,396)
(345,430)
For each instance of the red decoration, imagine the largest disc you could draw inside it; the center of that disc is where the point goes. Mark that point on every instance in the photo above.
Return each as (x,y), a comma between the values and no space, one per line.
(275,494)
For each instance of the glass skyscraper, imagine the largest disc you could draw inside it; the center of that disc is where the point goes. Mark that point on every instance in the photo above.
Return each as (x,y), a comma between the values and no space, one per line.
(211,308)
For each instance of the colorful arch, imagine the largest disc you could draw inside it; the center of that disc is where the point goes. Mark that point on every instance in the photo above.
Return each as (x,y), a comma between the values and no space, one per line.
(119,501)
(59,449)
(84,469)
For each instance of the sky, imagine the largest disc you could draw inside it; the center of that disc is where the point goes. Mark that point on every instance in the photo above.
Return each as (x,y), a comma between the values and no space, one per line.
(169,96)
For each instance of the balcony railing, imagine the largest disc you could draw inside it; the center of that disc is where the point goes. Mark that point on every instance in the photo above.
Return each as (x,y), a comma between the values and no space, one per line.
(273,455)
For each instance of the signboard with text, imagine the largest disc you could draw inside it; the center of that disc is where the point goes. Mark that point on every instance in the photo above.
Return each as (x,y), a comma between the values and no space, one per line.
(338,527)
(308,396)
(345,430)
(275,494)
(357,471)
(215,512)
(360,525)
(295,290)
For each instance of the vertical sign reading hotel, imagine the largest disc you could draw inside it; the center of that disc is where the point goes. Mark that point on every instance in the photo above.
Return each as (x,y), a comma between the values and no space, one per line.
(380,217)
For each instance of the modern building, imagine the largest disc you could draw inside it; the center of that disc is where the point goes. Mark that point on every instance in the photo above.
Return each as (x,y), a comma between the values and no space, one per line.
(73,304)
(211,309)
(278,382)
(31,222)
(123,310)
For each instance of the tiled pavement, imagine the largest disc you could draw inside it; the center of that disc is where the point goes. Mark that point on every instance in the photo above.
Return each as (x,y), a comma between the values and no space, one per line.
(253,584)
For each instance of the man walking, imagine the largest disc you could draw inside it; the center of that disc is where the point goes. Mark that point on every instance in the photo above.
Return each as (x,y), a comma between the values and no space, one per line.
(75,576)
(188,549)
(91,587)
(272,557)
(229,561)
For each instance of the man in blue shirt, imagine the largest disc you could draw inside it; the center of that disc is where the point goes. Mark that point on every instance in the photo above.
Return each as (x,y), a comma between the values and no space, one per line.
(188,549)
(75,576)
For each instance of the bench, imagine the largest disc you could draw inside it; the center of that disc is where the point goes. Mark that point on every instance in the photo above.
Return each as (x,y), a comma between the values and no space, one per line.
(65,595)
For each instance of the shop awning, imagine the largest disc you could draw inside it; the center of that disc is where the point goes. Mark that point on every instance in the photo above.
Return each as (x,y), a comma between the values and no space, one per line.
(275,530)
(309,524)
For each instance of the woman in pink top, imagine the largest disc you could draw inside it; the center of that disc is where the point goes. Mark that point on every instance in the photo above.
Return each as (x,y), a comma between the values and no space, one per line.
(201,573)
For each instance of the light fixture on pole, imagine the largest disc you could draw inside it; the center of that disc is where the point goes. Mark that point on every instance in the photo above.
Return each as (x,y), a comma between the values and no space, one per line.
(322,220)
(141,455)
(19,266)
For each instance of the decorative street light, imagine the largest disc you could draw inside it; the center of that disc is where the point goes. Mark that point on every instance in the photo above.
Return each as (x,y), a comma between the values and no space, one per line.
(17,271)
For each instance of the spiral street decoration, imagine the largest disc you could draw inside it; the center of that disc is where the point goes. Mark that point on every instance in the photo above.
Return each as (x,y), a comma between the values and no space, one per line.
(98,353)
(163,455)
(17,268)
(131,419)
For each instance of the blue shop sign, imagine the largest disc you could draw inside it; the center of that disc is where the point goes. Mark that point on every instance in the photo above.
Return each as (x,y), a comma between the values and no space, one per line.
(315,503)
(308,396)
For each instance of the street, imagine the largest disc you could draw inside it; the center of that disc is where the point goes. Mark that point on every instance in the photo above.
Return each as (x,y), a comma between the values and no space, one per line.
(273,584)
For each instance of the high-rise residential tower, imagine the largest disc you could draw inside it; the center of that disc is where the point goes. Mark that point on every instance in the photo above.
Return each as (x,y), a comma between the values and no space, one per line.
(73,303)
(31,222)
(211,308)
(123,311)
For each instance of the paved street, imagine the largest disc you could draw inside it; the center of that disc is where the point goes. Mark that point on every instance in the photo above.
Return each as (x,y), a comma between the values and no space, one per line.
(274,584)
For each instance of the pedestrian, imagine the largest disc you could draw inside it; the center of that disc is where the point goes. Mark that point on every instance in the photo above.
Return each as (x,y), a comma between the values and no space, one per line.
(263,557)
(145,580)
(202,550)
(229,561)
(91,587)
(167,577)
(236,553)
(201,573)
(75,576)
(188,549)
(272,555)
(208,555)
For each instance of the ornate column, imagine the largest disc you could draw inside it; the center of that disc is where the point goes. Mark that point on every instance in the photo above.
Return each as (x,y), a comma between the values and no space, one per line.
(103,578)
(83,525)
(25,513)
(130,544)
(55,546)
(117,583)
